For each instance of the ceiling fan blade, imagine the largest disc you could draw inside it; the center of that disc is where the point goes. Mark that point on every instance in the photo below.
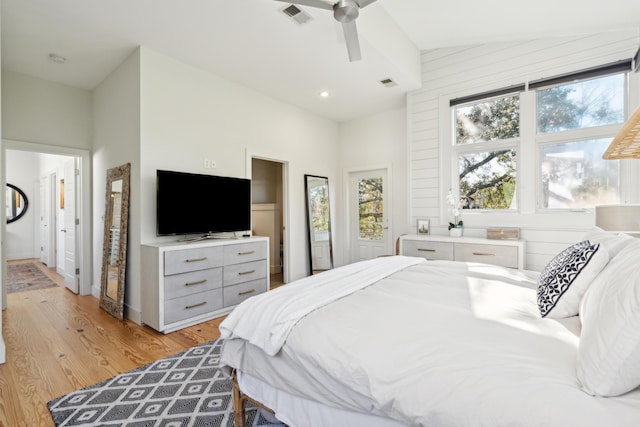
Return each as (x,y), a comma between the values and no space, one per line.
(351,38)
(312,3)
(364,3)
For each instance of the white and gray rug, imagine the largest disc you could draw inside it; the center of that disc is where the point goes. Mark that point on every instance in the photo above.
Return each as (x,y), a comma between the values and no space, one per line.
(187,389)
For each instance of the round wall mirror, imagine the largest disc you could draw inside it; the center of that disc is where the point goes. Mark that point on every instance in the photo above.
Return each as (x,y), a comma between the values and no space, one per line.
(17,203)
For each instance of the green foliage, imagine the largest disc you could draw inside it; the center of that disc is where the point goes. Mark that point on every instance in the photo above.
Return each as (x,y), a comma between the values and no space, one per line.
(370,207)
(459,225)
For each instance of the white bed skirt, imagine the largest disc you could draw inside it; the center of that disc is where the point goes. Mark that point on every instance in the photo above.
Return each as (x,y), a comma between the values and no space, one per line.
(298,412)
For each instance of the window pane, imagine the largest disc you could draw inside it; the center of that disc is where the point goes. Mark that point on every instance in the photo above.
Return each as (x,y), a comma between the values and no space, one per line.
(574,175)
(488,180)
(370,203)
(584,104)
(489,120)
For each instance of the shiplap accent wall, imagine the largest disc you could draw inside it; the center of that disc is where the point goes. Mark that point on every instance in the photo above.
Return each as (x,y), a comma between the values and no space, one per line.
(454,72)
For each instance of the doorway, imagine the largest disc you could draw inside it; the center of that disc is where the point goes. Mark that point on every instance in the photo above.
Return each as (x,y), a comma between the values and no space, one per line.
(69,239)
(268,199)
(369,205)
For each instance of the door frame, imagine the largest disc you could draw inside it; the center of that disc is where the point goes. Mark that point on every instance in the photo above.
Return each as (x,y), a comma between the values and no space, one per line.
(83,248)
(388,201)
(250,155)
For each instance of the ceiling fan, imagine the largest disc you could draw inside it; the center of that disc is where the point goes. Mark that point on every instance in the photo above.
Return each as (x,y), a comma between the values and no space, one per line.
(345,12)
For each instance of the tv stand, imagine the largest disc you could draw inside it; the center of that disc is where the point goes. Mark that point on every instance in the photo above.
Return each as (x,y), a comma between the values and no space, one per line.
(208,237)
(189,283)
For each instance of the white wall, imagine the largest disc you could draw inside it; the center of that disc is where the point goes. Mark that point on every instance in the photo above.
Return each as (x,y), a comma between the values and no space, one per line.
(24,170)
(116,141)
(20,238)
(39,111)
(189,115)
(374,141)
(454,72)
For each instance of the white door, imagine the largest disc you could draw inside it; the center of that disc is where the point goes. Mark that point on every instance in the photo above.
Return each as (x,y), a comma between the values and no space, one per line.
(71,278)
(369,207)
(44,220)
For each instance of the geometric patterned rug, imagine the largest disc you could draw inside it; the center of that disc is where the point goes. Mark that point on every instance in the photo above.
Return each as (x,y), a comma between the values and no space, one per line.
(26,277)
(186,389)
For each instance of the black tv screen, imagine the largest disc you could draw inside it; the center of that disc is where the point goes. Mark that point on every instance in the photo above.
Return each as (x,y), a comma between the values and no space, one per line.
(189,203)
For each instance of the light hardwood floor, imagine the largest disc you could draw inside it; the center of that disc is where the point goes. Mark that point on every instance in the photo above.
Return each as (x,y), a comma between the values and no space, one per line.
(58,342)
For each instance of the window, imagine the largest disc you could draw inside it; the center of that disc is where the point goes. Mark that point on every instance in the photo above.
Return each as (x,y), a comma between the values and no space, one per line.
(574,127)
(486,147)
(370,208)
(562,125)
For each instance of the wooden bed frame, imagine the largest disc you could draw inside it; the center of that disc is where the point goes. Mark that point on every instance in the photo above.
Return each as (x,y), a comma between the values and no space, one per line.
(239,399)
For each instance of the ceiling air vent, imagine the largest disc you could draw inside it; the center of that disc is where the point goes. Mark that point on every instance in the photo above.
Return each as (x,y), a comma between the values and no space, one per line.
(388,82)
(296,14)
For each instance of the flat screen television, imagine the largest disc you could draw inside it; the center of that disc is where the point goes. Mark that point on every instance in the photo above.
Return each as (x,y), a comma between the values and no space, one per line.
(189,203)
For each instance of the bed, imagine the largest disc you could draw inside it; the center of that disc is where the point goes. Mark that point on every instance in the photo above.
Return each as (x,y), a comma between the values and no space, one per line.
(400,341)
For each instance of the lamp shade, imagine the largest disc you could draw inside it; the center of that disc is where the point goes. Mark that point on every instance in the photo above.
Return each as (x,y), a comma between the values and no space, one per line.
(626,144)
(621,218)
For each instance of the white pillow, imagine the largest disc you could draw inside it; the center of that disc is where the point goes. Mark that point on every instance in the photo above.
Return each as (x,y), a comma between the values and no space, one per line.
(613,241)
(566,278)
(609,350)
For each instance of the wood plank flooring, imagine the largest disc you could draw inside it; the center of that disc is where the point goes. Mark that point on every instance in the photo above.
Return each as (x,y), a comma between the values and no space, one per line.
(58,342)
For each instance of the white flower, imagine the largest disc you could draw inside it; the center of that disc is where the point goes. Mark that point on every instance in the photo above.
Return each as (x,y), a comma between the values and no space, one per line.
(454,206)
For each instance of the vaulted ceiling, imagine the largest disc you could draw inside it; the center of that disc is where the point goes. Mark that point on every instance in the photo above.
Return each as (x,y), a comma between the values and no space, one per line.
(253,43)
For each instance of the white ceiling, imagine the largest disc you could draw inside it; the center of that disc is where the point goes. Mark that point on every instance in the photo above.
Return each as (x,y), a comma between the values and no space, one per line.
(252,43)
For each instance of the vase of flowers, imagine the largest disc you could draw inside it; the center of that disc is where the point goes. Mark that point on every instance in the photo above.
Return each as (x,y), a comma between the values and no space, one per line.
(455,227)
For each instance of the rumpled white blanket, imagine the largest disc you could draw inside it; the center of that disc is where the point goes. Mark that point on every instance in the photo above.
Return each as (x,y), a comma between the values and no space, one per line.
(266,320)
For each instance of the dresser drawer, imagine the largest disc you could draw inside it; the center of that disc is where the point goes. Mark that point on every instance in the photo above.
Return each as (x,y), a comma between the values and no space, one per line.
(178,285)
(183,260)
(428,249)
(506,256)
(245,272)
(192,305)
(243,252)
(235,294)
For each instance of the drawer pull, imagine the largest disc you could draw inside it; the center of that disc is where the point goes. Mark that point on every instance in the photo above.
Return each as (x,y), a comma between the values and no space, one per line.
(246,253)
(483,254)
(242,273)
(196,259)
(195,283)
(426,250)
(195,305)
(250,291)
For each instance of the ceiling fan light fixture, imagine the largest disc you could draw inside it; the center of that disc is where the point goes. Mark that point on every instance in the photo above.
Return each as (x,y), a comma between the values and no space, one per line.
(346,11)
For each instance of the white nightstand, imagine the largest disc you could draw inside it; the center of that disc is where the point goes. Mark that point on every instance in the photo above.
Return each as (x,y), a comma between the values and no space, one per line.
(506,253)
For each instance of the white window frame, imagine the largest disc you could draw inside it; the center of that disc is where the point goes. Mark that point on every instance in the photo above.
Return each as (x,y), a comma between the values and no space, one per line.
(528,178)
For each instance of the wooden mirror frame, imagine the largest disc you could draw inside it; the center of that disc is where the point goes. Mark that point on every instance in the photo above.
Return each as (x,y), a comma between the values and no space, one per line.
(115,306)
(328,254)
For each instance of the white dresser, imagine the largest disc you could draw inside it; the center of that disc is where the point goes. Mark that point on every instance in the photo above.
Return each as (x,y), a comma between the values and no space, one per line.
(188,283)
(506,253)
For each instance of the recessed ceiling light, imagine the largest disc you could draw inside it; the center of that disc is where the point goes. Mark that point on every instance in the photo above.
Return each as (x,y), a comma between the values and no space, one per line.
(324,94)
(57,58)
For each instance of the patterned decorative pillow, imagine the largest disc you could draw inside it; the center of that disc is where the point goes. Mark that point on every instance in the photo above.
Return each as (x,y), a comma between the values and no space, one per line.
(566,278)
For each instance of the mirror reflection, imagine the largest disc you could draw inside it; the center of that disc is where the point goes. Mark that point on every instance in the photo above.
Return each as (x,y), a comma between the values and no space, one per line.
(16,203)
(318,223)
(115,240)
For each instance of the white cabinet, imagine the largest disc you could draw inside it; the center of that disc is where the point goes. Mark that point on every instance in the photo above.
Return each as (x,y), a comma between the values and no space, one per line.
(506,253)
(188,283)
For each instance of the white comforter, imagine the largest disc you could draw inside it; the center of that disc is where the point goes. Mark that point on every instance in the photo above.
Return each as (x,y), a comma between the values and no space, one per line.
(267,321)
(439,344)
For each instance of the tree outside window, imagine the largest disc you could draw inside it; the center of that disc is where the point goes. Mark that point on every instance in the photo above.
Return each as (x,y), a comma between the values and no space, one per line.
(487,178)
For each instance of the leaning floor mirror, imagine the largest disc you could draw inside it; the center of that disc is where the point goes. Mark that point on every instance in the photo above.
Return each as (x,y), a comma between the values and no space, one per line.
(318,223)
(114,249)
